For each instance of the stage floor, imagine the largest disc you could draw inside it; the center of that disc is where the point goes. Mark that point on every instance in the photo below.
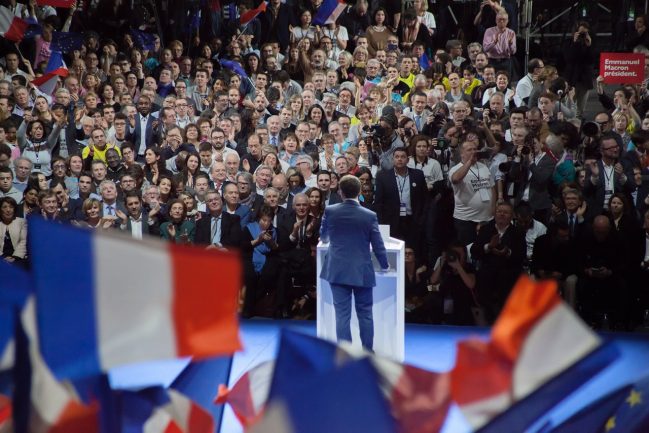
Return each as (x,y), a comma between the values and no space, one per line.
(433,348)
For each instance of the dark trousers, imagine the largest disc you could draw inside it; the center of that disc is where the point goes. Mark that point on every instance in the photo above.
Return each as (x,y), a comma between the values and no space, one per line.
(466,231)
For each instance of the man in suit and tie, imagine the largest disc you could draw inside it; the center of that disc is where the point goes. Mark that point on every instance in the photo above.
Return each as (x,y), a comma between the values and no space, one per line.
(418,112)
(217,229)
(400,198)
(350,230)
(136,222)
(607,175)
(143,128)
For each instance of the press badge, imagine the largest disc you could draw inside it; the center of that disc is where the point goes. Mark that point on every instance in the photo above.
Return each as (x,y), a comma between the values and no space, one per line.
(402,209)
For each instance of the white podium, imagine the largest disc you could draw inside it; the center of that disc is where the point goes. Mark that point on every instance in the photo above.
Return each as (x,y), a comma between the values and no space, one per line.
(388,311)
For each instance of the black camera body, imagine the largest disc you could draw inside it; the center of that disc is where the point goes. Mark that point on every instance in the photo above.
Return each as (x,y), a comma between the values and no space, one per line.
(451,256)
(483,154)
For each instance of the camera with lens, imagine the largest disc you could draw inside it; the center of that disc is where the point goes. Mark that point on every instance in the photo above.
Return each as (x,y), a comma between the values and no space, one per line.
(526,150)
(407,133)
(483,154)
(442,143)
(590,129)
(505,167)
(438,118)
(375,130)
(451,256)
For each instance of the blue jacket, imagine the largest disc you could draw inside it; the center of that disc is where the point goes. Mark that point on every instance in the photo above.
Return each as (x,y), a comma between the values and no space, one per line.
(350,229)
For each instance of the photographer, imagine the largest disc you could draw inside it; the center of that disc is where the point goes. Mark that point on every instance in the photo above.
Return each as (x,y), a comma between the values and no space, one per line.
(580,61)
(385,140)
(531,171)
(456,279)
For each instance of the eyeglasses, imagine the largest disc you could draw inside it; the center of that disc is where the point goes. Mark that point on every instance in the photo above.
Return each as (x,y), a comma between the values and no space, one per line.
(57,166)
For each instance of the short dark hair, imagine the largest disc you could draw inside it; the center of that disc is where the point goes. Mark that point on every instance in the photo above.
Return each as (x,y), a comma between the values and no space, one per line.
(132,193)
(349,186)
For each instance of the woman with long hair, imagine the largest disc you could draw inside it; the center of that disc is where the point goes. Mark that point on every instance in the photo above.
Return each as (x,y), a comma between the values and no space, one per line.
(107,93)
(296,104)
(305,30)
(292,62)
(43,113)
(316,202)
(36,146)
(317,115)
(251,65)
(622,217)
(29,204)
(167,189)
(154,165)
(378,34)
(192,168)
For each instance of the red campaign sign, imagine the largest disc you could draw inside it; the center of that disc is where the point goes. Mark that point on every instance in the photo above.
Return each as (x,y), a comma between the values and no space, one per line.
(621,68)
(56,3)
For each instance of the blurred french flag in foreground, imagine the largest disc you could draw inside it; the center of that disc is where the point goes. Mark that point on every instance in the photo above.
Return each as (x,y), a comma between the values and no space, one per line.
(105,300)
(538,354)
(417,400)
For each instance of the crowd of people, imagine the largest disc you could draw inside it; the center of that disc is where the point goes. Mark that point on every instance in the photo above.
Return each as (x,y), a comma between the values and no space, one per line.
(236,139)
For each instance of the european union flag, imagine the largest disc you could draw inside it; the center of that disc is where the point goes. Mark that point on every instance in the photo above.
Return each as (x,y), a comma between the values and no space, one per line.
(632,416)
(66,41)
(234,66)
(143,40)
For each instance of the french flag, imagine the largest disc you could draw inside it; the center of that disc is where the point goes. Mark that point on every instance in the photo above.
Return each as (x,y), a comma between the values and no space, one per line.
(347,399)
(12,28)
(105,300)
(328,12)
(158,410)
(55,68)
(539,352)
(418,399)
(42,404)
(252,14)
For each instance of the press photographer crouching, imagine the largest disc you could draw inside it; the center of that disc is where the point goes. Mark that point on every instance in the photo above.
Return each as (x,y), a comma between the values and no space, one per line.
(453,283)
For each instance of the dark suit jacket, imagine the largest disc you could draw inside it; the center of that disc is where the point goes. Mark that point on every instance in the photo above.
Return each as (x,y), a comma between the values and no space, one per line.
(595,193)
(387,201)
(230,230)
(539,182)
(513,238)
(149,133)
(151,230)
(279,29)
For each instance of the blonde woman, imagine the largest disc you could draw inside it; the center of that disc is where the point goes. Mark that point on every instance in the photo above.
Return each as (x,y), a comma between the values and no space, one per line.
(296,105)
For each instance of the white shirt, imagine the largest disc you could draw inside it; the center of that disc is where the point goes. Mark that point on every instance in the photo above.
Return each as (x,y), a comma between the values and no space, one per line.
(432,170)
(523,90)
(136,228)
(473,195)
(142,147)
(537,229)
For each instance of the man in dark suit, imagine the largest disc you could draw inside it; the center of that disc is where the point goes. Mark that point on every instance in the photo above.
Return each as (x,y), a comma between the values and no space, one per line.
(572,214)
(607,175)
(533,175)
(350,230)
(324,185)
(136,222)
(500,247)
(400,199)
(217,229)
(143,121)
(275,23)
